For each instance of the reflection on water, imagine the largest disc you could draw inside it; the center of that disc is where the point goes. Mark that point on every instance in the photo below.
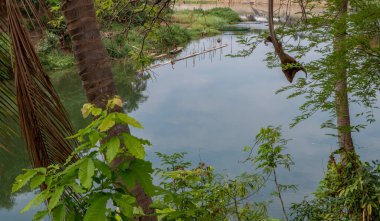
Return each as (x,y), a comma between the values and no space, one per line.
(10,166)
(210,106)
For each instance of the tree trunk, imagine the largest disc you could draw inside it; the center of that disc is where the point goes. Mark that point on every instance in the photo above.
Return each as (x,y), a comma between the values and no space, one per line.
(289,65)
(341,95)
(94,68)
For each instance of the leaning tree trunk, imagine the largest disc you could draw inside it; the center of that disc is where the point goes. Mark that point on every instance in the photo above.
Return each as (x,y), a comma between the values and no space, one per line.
(94,67)
(341,94)
(289,65)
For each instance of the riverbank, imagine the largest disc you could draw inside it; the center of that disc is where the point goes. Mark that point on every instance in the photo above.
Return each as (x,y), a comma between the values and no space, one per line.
(182,27)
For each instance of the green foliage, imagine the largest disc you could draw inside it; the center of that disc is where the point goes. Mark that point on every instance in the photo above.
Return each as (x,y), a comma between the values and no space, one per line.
(347,192)
(316,34)
(51,56)
(118,46)
(270,150)
(90,188)
(200,194)
(227,13)
(169,36)
(122,11)
(270,157)
(160,39)
(361,58)
(205,22)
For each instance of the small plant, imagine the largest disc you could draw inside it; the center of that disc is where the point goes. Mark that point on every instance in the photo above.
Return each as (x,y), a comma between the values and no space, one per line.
(92,188)
(270,157)
(200,194)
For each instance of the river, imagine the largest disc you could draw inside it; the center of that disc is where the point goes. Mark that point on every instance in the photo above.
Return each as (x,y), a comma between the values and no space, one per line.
(210,106)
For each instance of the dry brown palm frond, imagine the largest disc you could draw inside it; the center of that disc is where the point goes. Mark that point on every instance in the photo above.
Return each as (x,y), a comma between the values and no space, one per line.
(43,120)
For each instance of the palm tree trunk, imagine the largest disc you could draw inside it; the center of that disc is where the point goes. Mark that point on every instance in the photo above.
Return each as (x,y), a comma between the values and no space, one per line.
(341,94)
(94,67)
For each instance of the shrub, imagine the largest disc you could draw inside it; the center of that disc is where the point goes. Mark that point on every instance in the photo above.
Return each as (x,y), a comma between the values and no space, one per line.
(169,36)
(225,13)
(92,187)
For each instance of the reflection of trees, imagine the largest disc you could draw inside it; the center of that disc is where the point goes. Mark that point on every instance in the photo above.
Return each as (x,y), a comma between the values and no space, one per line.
(131,87)
(257,31)
(296,36)
(11,166)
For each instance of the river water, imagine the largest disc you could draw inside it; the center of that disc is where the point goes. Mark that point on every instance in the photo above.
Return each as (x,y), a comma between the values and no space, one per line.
(209,106)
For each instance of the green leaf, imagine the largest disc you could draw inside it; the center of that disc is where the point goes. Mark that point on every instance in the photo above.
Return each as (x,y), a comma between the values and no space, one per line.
(55,197)
(36,181)
(77,188)
(102,167)
(134,146)
(125,119)
(107,123)
(97,209)
(139,171)
(96,111)
(138,211)
(247,148)
(59,213)
(86,172)
(22,179)
(73,216)
(86,109)
(143,171)
(126,203)
(74,166)
(36,201)
(113,147)
(40,215)
(93,137)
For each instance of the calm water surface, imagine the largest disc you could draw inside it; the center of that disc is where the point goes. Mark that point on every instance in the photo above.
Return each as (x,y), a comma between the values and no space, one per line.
(210,106)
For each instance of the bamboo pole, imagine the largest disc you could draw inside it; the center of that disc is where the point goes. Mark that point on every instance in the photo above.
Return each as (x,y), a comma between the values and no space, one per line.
(173,61)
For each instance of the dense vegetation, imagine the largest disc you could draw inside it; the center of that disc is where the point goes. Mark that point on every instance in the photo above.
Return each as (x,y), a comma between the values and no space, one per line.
(177,30)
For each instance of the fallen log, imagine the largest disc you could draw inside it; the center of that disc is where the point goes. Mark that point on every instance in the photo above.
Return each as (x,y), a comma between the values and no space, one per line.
(173,61)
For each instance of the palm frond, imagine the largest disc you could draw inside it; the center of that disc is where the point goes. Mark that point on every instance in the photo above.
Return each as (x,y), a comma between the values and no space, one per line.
(42,117)
(8,109)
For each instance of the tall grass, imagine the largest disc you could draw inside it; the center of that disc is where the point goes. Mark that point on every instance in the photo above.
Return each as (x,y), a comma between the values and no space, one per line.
(205,22)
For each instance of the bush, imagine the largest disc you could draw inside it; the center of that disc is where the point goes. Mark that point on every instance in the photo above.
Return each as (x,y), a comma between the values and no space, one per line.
(225,13)
(116,47)
(48,43)
(199,22)
(51,56)
(169,36)
(349,191)
(93,187)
